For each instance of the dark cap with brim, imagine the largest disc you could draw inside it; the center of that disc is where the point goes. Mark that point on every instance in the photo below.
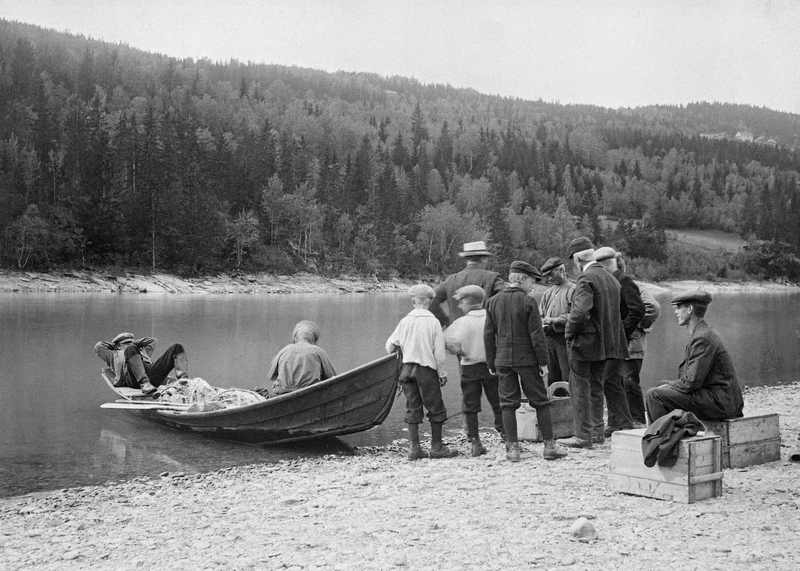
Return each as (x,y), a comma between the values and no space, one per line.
(697,296)
(525,268)
(472,292)
(579,245)
(551,265)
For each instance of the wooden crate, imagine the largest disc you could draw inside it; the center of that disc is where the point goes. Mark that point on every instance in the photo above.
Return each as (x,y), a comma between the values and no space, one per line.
(560,411)
(697,475)
(748,440)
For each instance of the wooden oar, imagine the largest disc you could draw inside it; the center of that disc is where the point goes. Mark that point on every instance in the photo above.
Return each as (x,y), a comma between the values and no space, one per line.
(143,406)
(155,403)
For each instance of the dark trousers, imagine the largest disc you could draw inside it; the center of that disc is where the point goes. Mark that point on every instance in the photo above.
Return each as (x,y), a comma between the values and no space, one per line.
(584,376)
(664,399)
(532,384)
(559,358)
(619,415)
(475,381)
(158,370)
(633,389)
(421,387)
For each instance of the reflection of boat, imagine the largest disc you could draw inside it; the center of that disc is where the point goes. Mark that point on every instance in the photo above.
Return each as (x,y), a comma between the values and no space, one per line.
(350,402)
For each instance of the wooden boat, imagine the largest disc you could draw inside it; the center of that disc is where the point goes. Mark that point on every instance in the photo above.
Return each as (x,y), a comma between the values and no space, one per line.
(350,402)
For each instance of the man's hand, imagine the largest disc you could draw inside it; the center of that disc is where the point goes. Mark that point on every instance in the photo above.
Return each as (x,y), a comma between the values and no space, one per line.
(442,381)
(543,370)
(492,372)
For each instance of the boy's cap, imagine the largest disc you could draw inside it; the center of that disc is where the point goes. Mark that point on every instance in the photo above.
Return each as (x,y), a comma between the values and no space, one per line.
(605,253)
(697,296)
(422,290)
(579,245)
(474,249)
(472,292)
(525,268)
(122,337)
(551,265)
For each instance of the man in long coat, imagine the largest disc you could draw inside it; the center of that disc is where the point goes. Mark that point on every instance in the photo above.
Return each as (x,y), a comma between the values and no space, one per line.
(707,384)
(594,335)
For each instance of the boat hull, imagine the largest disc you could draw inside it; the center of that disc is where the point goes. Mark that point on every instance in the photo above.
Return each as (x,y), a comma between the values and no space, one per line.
(351,402)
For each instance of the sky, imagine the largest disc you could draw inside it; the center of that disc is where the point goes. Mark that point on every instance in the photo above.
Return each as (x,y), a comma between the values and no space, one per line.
(613,53)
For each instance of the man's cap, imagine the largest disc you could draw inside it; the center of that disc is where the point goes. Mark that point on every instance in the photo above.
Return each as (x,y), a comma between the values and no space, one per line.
(697,296)
(604,253)
(473,292)
(422,290)
(122,337)
(551,265)
(579,245)
(474,249)
(308,326)
(525,268)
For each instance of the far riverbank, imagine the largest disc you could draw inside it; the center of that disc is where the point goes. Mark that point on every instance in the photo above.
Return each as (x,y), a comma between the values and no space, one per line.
(267,283)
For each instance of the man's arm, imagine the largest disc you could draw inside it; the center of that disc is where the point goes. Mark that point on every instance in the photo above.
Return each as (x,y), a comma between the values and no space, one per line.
(633,301)
(328,370)
(582,303)
(536,333)
(700,354)
(436,305)
(489,340)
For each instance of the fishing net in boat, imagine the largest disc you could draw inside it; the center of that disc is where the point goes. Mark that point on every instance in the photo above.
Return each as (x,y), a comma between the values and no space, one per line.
(189,391)
(237,397)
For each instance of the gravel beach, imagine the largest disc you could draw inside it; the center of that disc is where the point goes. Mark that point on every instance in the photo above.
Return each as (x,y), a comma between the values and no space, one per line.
(373,509)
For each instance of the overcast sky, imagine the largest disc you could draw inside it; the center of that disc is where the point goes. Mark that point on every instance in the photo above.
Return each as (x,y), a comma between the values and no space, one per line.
(615,53)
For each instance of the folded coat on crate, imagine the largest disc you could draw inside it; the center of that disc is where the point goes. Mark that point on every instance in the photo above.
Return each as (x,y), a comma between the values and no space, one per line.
(696,474)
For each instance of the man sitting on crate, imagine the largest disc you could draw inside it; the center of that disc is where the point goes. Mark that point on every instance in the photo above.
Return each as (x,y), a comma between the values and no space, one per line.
(131,361)
(707,385)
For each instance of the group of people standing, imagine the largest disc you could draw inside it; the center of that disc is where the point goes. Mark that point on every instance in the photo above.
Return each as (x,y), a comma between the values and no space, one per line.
(590,333)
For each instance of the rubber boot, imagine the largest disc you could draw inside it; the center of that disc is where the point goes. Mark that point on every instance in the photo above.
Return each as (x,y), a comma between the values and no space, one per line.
(181,365)
(471,419)
(136,368)
(415,450)
(438,449)
(553,451)
(510,425)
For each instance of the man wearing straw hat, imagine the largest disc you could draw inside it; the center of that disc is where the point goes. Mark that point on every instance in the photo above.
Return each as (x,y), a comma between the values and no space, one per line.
(477,257)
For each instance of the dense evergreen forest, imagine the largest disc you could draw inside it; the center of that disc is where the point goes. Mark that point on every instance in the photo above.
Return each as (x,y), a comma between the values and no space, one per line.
(114,157)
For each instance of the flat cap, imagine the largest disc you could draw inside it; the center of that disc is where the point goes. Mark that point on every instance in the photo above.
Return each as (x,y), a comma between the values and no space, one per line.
(308,326)
(525,268)
(696,296)
(473,292)
(421,290)
(579,245)
(604,253)
(551,265)
(122,337)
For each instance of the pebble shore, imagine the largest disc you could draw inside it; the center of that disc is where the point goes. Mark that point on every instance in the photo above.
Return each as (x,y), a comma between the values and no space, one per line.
(373,510)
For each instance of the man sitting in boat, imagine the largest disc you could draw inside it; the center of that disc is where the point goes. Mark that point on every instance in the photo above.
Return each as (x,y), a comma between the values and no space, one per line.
(707,385)
(301,363)
(131,361)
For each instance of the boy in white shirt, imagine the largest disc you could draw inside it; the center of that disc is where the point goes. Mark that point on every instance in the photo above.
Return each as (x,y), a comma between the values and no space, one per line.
(464,338)
(420,339)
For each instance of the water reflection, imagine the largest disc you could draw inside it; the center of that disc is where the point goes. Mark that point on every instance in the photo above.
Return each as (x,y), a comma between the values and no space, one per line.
(53,433)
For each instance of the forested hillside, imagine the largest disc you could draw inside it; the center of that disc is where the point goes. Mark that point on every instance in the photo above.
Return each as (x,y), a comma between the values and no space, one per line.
(110,156)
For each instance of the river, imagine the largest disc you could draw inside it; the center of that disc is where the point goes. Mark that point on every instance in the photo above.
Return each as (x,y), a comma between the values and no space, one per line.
(53,433)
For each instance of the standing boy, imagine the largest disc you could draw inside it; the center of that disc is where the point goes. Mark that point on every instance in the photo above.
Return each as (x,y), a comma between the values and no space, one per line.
(516,346)
(464,338)
(420,339)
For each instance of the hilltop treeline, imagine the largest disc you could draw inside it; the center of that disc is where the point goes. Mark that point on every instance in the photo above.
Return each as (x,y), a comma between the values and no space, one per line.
(114,156)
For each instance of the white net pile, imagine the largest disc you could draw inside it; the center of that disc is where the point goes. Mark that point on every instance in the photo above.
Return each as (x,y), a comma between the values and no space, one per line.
(198,392)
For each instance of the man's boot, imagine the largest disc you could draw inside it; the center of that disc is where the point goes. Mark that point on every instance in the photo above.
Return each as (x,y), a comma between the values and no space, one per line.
(136,369)
(471,419)
(415,450)
(510,425)
(438,449)
(181,366)
(553,451)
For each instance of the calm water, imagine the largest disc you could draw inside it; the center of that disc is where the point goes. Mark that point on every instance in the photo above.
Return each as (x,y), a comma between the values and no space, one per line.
(53,433)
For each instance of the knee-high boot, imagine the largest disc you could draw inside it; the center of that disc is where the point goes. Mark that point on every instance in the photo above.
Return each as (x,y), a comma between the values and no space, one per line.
(510,426)
(415,450)
(136,369)
(471,419)
(438,449)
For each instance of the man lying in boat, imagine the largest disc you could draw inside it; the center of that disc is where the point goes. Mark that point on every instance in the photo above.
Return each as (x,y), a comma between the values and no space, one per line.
(131,361)
(299,364)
